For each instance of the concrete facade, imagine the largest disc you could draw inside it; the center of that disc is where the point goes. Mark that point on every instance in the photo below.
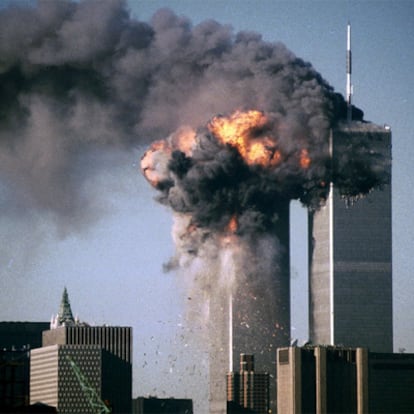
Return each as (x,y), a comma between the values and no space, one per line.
(104,356)
(350,245)
(54,383)
(326,380)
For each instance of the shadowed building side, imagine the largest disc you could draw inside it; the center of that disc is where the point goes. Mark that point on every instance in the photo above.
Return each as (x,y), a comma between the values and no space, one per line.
(258,322)
(16,340)
(261,309)
(247,390)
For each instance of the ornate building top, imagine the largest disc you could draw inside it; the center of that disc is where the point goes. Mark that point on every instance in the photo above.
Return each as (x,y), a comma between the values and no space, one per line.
(65,316)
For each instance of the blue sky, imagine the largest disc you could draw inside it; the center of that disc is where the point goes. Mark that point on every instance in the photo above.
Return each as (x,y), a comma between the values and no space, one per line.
(113,269)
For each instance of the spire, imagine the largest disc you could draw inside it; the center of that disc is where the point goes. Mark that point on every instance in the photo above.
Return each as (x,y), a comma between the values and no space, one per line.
(348,72)
(65,316)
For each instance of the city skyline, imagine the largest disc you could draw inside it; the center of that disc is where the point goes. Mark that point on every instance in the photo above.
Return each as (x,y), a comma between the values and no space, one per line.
(75,356)
(121,254)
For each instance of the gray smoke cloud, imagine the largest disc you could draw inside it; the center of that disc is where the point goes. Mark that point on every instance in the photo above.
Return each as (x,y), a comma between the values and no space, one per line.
(229,186)
(75,76)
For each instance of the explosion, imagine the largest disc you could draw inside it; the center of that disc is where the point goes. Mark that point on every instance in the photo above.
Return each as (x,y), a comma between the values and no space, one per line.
(229,181)
(235,170)
(244,131)
(229,184)
(81,78)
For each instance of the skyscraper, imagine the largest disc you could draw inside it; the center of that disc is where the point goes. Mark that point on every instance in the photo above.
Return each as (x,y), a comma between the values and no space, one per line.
(257,321)
(261,304)
(330,379)
(248,390)
(102,355)
(16,340)
(350,245)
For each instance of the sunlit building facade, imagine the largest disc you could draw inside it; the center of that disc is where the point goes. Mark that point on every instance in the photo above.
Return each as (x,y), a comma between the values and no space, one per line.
(350,245)
(80,367)
(330,379)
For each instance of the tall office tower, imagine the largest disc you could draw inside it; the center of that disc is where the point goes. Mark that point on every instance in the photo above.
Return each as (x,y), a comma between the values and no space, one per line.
(16,340)
(257,321)
(14,379)
(22,334)
(101,354)
(261,304)
(350,245)
(247,390)
(322,380)
(218,342)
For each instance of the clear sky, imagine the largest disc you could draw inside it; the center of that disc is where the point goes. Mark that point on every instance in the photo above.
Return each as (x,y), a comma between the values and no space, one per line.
(112,267)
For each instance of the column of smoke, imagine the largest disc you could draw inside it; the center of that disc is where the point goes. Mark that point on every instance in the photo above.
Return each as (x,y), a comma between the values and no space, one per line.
(82,78)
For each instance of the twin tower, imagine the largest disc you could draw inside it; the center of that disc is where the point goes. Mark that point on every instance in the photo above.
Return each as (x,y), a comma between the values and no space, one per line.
(349,272)
(350,257)
(350,263)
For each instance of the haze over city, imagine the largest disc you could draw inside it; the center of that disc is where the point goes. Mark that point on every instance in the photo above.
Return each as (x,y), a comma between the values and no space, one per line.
(89,221)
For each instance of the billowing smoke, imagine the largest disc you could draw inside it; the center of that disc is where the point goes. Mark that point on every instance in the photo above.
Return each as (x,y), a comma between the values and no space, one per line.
(229,181)
(77,76)
(82,77)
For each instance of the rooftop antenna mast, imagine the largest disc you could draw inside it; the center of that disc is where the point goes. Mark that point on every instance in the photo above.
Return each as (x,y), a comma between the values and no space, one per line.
(231,332)
(348,73)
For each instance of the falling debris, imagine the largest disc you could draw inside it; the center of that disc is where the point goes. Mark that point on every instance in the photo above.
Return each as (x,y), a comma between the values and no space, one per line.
(237,127)
(229,183)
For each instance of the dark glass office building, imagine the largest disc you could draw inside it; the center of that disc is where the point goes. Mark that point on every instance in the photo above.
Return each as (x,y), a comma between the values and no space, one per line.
(247,390)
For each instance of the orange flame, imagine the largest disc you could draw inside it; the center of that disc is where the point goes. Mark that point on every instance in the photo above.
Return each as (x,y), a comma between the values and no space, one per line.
(242,131)
(233,225)
(229,236)
(184,140)
(159,146)
(305,160)
(158,153)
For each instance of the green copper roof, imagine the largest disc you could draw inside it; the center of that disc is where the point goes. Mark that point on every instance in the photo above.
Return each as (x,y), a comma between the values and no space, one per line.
(65,312)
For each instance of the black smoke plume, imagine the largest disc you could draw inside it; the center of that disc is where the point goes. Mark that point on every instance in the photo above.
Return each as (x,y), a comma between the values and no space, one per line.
(81,77)
(76,76)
